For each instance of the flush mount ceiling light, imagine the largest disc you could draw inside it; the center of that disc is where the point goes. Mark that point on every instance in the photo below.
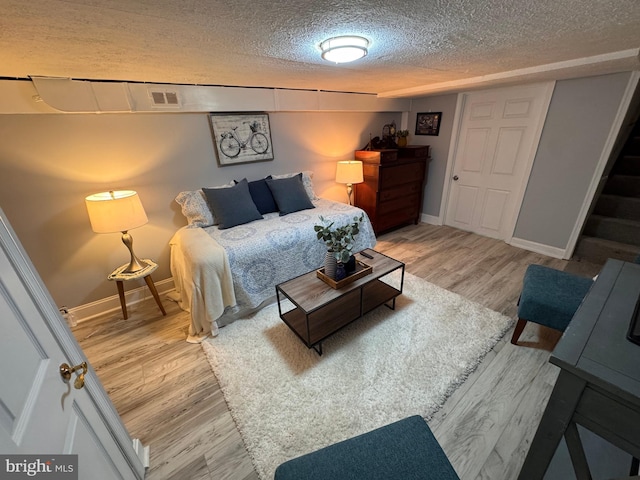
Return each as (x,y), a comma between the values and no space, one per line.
(344,49)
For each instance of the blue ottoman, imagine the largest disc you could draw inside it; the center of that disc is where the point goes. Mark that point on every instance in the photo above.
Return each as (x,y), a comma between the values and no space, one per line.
(404,450)
(549,297)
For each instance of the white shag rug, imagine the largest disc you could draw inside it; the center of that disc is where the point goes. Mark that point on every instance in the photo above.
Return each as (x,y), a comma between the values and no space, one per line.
(287,400)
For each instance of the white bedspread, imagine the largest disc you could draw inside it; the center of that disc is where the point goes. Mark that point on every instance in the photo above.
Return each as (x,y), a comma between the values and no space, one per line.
(260,254)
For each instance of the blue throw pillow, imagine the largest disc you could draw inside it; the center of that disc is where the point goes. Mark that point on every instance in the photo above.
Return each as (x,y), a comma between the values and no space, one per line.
(232,206)
(289,194)
(262,197)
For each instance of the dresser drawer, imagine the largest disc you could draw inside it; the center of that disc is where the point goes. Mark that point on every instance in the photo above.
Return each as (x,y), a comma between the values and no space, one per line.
(400,174)
(397,218)
(414,151)
(400,191)
(400,204)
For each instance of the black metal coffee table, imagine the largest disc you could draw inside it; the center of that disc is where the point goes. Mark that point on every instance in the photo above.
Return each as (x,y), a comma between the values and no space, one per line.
(319,310)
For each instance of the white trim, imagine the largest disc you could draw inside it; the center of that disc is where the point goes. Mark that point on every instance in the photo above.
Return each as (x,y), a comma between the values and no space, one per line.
(404,121)
(142,451)
(91,310)
(536,247)
(623,60)
(453,147)
(609,144)
(430,219)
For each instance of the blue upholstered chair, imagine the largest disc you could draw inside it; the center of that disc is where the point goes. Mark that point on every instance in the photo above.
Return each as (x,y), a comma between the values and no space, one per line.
(404,450)
(549,297)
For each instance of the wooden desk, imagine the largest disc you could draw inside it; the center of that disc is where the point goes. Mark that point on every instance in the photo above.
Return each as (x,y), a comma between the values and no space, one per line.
(599,383)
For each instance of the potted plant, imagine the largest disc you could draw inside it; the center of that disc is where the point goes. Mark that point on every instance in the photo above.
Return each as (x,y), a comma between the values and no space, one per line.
(402,137)
(339,242)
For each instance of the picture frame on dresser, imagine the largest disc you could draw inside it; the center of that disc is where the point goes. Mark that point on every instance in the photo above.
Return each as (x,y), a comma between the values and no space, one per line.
(428,123)
(241,137)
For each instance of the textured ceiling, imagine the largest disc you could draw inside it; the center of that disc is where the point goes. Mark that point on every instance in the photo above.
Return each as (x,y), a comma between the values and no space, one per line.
(414,44)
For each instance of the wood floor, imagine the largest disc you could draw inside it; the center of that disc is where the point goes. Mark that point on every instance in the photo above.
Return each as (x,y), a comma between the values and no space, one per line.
(168,397)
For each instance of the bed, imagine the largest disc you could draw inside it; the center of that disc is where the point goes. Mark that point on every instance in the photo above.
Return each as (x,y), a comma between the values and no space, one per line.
(222,274)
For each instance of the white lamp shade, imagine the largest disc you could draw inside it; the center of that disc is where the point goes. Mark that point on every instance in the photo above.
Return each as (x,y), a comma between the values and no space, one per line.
(349,171)
(115,211)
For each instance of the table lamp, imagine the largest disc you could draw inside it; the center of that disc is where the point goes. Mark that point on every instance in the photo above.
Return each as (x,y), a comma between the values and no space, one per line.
(349,172)
(118,211)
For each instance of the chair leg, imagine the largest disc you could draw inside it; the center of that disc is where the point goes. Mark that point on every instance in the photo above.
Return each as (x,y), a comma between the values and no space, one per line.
(518,330)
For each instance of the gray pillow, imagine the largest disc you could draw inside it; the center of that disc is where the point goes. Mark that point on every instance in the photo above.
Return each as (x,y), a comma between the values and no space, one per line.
(232,206)
(289,194)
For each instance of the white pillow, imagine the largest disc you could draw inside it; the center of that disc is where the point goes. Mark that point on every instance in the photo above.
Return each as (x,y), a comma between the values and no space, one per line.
(306,181)
(196,208)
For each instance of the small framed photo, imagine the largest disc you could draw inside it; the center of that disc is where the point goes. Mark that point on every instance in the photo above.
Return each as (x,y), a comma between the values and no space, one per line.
(428,123)
(241,137)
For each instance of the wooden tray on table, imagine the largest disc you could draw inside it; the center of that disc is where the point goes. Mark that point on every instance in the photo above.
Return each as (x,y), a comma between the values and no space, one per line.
(362,269)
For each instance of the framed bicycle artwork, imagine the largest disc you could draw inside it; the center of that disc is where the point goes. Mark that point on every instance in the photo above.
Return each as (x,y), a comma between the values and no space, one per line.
(241,137)
(428,123)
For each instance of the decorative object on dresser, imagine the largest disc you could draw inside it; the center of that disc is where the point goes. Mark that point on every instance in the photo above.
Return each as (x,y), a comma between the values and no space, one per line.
(428,123)
(120,211)
(393,186)
(349,172)
(402,135)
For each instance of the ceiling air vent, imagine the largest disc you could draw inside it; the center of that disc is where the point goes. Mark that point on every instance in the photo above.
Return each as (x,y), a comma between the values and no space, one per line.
(164,99)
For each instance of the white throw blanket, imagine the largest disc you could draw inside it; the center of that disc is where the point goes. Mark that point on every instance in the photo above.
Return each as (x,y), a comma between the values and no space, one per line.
(196,263)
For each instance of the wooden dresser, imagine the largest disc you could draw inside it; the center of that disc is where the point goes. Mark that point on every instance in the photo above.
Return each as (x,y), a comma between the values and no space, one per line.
(393,186)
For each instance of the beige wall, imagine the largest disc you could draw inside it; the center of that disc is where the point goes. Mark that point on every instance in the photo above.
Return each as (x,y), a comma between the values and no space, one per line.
(50,162)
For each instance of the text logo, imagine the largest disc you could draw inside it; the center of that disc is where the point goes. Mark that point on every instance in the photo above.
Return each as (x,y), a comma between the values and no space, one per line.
(49,467)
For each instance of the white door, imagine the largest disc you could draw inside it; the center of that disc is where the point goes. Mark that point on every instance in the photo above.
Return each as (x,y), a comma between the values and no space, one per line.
(40,414)
(497,141)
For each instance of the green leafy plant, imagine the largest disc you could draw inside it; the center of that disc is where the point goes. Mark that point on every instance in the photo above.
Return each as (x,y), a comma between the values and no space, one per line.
(402,133)
(338,240)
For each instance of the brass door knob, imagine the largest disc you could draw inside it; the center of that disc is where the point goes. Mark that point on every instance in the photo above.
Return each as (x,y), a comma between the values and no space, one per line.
(66,371)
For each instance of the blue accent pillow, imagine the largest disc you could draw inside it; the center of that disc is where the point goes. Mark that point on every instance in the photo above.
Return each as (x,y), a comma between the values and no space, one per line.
(262,197)
(289,194)
(232,206)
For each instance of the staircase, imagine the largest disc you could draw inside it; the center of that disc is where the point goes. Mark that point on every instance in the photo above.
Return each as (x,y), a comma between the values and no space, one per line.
(613,228)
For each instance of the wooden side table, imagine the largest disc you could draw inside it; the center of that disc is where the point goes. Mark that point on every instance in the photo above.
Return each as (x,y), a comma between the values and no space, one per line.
(145,273)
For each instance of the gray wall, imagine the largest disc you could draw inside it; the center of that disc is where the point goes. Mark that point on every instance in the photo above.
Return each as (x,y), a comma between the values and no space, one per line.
(578,123)
(50,162)
(439,146)
(580,116)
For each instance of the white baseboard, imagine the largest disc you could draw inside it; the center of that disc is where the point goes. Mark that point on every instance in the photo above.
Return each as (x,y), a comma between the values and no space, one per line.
(548,250)
(112,304)
(142,451)
(430,219)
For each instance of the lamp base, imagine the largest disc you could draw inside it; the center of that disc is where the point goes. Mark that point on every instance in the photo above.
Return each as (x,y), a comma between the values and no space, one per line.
(349,192)
(135,264)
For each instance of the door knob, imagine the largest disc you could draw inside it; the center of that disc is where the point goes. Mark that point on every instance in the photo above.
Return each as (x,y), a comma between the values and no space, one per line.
(66,371)
(455,178)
